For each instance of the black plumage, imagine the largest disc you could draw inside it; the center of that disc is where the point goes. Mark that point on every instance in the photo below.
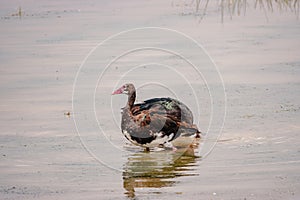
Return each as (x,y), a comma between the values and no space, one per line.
(156,121)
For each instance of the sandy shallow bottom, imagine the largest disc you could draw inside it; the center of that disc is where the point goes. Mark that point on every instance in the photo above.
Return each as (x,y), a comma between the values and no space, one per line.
(42,157)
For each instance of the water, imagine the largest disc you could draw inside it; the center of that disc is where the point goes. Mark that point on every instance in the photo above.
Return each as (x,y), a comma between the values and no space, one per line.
(42,155)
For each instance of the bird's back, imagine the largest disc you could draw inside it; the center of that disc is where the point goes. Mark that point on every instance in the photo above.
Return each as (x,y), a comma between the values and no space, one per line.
(165,106)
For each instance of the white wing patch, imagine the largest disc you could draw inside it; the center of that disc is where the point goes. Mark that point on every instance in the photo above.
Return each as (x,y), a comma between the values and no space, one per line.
(160,139)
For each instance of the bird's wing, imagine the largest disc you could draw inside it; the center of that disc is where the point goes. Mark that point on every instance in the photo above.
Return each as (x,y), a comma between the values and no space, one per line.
(166,107)
(156,119)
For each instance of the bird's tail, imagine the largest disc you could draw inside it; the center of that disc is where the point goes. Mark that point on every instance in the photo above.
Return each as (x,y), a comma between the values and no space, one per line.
(189,131)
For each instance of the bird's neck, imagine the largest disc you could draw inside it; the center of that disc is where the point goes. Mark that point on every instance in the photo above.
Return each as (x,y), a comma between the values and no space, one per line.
(131,99)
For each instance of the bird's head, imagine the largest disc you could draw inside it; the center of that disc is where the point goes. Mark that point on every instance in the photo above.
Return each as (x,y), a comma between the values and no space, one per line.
(127,88)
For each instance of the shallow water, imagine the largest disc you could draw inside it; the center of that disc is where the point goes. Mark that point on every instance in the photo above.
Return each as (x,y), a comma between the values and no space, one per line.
(42,155)
(156,170)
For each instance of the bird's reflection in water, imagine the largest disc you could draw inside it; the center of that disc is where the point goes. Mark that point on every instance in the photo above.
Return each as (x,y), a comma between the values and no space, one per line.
(158,169)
